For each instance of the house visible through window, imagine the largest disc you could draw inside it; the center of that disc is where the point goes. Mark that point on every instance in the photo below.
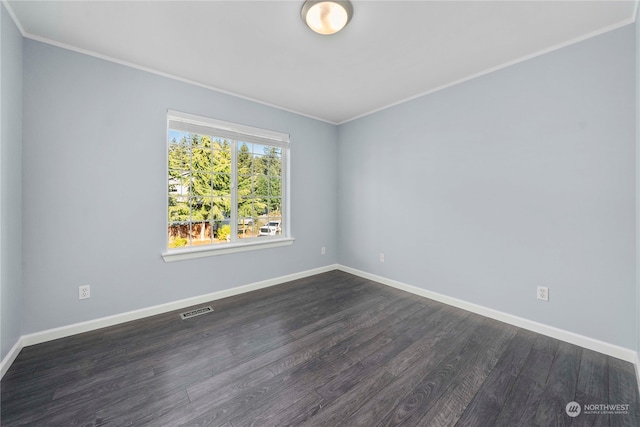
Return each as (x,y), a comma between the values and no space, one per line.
(226,182)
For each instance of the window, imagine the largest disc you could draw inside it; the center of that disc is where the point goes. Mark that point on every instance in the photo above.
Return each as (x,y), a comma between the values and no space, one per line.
(226,184)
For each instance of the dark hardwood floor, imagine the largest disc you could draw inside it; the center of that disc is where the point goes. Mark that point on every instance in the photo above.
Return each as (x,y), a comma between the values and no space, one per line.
(328,350)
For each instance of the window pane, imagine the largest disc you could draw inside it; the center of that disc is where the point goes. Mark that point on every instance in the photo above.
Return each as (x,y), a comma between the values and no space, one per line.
(178,210)
(245,160)
(201,184)
(245,207)
(270,226)
(221,185)
(178,235)
(275,186)
(179,157)
(261,186)
(201,233)
(275,207)
(221,208)
(222,161)
(275,162)
(178,182)
(195,204)
(221,219)
(246,227)
(201,159)
(260,164)
(244,185)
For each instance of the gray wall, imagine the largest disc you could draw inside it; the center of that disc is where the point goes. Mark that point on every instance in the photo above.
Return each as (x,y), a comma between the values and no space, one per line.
(522,177)
(95,191)
(11,182)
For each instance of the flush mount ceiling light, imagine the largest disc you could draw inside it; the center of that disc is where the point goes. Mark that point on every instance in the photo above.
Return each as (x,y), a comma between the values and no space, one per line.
(326,17)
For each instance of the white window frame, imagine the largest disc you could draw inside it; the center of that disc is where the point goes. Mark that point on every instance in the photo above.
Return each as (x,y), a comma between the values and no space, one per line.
(235,132)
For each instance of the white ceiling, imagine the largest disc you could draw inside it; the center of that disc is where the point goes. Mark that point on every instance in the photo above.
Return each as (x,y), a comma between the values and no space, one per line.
(391,51)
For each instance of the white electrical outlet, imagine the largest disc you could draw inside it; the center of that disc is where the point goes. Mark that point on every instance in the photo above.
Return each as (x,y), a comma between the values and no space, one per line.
(84,292)
(323,250)
(381,257)
(543,293)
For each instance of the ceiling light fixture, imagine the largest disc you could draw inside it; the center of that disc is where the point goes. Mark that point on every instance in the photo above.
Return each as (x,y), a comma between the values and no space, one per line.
(326,17)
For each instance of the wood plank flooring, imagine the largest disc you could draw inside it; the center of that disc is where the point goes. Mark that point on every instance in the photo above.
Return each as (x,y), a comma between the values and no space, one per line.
(328,350)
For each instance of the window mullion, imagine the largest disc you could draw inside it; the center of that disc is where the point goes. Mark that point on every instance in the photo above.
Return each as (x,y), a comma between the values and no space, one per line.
(234,191)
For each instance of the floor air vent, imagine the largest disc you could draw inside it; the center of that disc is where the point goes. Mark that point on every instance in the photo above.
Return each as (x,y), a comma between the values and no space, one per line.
(196,312)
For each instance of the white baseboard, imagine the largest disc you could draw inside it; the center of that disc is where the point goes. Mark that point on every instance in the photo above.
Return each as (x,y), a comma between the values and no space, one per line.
(8,360)
(90,325)
(550,331)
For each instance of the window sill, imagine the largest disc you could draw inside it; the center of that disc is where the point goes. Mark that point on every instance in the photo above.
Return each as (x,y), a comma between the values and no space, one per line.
(230,248)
